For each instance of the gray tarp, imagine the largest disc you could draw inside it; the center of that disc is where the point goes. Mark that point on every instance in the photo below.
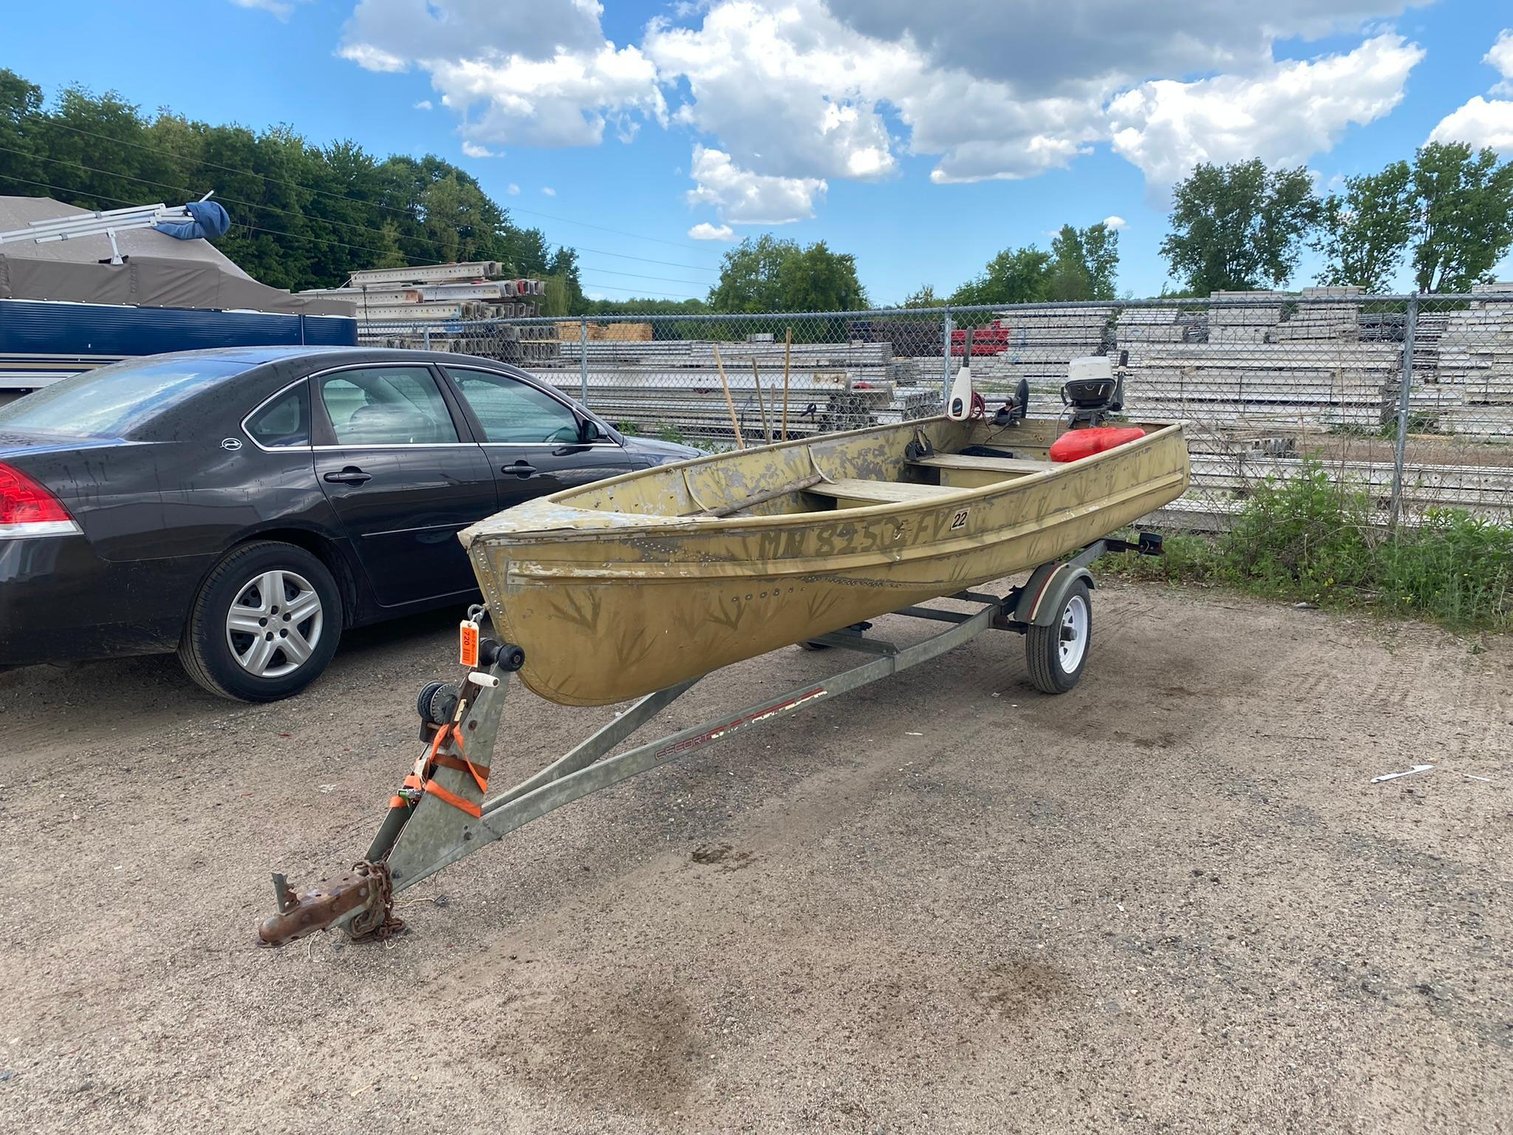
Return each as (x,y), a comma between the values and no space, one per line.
(153,282)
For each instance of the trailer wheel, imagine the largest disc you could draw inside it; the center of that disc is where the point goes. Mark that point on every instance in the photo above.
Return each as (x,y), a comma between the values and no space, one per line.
(1058,653)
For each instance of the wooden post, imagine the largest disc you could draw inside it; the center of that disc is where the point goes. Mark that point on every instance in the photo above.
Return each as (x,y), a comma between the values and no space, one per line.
(735,423)
(787,354)
(761,402)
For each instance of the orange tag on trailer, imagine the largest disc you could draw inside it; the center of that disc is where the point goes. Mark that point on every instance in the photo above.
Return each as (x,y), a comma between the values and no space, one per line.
(468,652)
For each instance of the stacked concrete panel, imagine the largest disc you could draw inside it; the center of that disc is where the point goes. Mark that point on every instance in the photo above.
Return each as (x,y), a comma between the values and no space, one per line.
(1042,344)
(1325,385)
(677,384)
(1152,325)
(1243,317)
(1226,468)
(1463,381)
(1313,320)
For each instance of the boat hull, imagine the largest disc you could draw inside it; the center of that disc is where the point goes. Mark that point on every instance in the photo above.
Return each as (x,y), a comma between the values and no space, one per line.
(610,612)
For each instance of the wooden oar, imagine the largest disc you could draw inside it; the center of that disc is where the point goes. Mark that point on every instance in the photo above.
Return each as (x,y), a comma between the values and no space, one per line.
(735,423)
(761,402)
(787,354)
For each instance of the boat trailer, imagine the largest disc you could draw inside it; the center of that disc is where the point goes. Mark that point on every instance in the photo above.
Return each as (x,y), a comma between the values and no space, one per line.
(442,812)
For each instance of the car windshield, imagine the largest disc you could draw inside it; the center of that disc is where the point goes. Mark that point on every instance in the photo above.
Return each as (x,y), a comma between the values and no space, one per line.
(114,400)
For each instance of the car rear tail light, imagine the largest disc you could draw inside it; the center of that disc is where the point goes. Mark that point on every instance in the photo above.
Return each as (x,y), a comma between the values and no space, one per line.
(29,509)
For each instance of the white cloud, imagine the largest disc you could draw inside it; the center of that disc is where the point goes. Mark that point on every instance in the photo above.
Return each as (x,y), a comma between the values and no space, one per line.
(1481,122)
(548,190)
(705,231)
(1060,48)
(1282,115)
(785,96)
(424,104)
(474,150)
(513,190)
(1500,56)
(750,198)
(562,101)
(282,9)
(1115,222)
(540,74)
(782,84)
(371,58)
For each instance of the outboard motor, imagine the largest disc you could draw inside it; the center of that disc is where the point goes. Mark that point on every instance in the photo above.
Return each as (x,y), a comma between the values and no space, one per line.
(1093,391)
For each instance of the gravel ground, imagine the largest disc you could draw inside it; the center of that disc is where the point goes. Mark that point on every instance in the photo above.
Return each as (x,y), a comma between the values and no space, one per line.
(1169,901)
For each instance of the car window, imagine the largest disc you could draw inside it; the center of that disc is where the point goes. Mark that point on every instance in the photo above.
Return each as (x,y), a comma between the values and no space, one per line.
(514,411)
(114,400)
(285,421)
(386,406)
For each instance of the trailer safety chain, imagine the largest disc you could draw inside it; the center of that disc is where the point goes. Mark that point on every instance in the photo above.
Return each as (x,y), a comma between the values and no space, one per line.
(377,923)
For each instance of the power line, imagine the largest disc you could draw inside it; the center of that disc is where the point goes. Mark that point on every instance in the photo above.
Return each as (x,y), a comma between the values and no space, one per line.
(124,201)
(602,228)
(234,200)
(645,260)
(639,276)
(259,230)
(635,291)
(51,120)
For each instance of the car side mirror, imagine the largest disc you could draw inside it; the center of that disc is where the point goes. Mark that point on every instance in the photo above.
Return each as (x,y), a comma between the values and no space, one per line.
(589,431)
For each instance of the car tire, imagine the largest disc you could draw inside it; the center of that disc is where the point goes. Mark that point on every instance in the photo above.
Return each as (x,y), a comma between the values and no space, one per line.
(264,624)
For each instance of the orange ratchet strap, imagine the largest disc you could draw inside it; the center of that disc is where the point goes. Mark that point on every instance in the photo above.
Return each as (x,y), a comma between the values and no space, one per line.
(421,779)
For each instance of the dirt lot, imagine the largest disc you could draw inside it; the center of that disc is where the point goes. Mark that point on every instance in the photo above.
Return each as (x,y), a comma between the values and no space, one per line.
(1169,901)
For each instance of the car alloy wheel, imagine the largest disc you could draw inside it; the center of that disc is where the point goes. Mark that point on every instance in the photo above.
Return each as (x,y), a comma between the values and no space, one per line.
(275,623)
(264,624)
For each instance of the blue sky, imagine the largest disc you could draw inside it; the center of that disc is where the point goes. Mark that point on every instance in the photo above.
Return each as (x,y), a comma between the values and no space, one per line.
(650,135)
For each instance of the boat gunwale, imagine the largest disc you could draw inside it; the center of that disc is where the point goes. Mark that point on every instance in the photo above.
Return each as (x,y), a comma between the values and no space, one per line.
(523,567)
(662,524)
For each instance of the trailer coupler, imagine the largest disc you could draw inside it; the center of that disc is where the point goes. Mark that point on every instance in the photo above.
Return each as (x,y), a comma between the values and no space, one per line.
(360,902)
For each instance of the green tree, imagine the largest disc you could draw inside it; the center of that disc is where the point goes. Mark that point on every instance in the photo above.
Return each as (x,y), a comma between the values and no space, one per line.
(820,280)
(20,103)
(924,297)
(1463,221)
(562,274)
(1019,275)
(1237,227)
(1364,232)
(302,216)
(1084,263)
(768,274)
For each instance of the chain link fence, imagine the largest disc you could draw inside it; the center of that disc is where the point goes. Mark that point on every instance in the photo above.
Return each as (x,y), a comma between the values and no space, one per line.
(1407,399)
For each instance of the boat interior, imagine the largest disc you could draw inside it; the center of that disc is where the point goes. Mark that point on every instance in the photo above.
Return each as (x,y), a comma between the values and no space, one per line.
(885,465)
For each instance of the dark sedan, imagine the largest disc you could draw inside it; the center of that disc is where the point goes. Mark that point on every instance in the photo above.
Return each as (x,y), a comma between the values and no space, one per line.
(244,506)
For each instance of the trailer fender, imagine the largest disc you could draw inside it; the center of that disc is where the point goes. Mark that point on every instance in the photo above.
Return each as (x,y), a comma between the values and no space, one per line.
(1044,594)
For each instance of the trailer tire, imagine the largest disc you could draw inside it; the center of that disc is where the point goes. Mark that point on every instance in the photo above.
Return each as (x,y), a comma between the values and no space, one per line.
(1057,654)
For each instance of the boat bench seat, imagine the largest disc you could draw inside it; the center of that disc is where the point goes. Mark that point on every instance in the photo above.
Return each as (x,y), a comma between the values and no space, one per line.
(878,492)
(985,464)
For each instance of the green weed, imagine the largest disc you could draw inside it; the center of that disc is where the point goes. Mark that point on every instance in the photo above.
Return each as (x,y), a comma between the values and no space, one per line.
(1312,538)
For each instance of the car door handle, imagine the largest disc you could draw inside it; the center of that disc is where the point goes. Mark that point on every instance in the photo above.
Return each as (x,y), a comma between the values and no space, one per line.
(519,468)
(351,475)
